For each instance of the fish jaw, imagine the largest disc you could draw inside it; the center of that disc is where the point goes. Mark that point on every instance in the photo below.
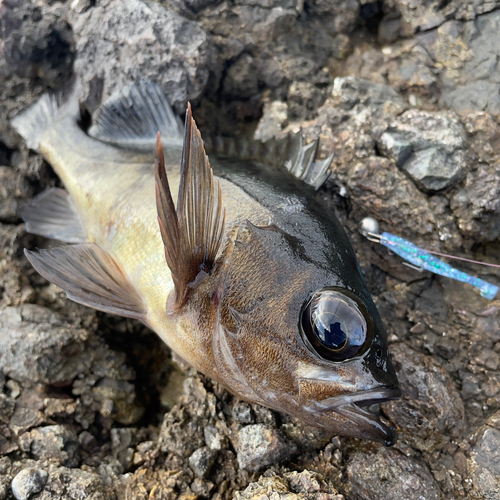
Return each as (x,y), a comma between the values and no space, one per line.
(350,410)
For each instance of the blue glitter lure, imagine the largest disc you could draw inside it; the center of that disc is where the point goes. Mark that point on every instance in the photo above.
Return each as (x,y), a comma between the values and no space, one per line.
(422,259)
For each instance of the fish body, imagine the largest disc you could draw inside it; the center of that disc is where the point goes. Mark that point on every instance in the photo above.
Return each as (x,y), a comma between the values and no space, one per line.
(250,279)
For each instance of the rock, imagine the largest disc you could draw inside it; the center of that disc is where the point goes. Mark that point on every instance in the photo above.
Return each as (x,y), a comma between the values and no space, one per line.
(121,42)
(7,406)
(242,413)
(384,192)
(258,446)
(241,78)
(478,84)
(28,482)
(56,442)
(75,484)
(121,442)
(37,345)
(290,486)
(306,437)
(429,147)
(38,42)
(354,94)
(118,400)
(431,411)
(201,461)
(13,186)
(476,204)
(274,118)
(388,474)
(484,464)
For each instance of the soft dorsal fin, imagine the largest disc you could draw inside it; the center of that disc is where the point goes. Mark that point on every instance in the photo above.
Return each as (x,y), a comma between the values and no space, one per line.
(132,116)
(91,276)
(53,215)
(191,234)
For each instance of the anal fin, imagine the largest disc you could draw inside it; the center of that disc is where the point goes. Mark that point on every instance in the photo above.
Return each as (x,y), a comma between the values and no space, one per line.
(53,215)
(91,276)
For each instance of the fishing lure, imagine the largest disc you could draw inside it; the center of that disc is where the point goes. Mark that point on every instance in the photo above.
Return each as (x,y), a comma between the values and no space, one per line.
(421,259)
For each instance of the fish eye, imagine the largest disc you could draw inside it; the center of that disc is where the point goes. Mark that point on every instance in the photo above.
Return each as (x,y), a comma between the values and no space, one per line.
(334,325)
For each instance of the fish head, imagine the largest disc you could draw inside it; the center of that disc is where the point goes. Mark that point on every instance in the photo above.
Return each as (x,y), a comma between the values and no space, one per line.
(291,334)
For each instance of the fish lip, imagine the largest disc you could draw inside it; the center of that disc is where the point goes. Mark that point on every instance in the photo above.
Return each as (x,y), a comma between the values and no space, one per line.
(351,406)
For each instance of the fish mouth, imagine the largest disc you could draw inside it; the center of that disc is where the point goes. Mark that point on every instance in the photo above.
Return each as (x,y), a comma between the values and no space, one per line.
(353,406)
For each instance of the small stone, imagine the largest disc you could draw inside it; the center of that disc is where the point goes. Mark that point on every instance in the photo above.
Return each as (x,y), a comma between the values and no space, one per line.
(432,169)
(213,438)
(259,447)
(56,442)
(121,441)
(242,412)
(7,406)
(28,482)
(201,461)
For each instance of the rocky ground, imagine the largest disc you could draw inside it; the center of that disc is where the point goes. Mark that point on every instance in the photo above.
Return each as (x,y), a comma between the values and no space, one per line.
(407,96)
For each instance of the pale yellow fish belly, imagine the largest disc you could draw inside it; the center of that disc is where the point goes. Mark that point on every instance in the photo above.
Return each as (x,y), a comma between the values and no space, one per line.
(115,199)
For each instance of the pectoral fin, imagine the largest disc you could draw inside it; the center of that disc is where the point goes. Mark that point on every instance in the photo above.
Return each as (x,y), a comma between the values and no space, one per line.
(53,215)
(91,276)
(191,233)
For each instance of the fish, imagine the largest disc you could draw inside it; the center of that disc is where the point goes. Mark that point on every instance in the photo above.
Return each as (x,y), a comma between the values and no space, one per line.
(231,258)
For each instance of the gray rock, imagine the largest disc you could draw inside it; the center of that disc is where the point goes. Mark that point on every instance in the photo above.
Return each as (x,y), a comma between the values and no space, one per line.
(201,461)
(258,447)
(7,406)
(387,473)
(37,345)
(56,442)
(353,94)
(28,482)
(242,413)
(431,411)
(241,79)
(437,145)
(38,42)
(476,203)
(13,186)
(75,484)
(477,84)
(121,445)
(432,169)
(484,464)
(120,42)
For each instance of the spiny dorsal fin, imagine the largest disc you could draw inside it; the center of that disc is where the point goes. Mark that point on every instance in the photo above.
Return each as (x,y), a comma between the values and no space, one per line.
(91,276)
(53,215)
(191,234)
(133,115)
(301,162)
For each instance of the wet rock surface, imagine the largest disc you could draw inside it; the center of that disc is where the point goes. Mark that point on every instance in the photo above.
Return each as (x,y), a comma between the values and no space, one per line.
(406,96)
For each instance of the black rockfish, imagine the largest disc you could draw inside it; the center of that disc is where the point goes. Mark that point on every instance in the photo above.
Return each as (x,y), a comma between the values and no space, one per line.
(244,274)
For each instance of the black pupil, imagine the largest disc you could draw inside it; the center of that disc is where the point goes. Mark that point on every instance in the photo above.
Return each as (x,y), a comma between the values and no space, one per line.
(330,332)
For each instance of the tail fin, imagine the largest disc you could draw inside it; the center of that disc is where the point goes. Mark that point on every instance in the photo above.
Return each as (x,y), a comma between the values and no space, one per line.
(33,121)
